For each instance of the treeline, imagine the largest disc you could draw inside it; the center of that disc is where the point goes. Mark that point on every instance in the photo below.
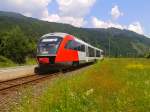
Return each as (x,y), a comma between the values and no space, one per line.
(19,35)
(16,46)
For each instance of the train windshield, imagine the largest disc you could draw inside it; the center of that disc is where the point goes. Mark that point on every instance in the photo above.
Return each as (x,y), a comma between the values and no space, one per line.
(49,45)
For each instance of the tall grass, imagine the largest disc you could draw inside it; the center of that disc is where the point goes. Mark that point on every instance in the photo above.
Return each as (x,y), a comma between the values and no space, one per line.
(114,85)
(30,61)
(5,62)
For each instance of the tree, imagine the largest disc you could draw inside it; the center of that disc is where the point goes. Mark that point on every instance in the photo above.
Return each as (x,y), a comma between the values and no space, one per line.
(15,45)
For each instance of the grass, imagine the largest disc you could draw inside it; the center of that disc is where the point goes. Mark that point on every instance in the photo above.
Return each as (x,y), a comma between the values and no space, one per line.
(113,85)
(5,62)
(30,61)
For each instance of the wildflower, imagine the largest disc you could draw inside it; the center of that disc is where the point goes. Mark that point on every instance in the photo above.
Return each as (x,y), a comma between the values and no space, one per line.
(71,94)
(90,91)
(135,66)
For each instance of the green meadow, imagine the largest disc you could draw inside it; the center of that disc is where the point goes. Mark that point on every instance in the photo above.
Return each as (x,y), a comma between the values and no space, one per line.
(111,85)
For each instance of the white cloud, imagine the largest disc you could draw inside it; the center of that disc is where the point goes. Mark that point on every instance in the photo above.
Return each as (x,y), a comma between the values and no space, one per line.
(75,8)
(34,8)
(97,23)
(78,22)
(71,12)
(115,12)
(135,26)
(27,14)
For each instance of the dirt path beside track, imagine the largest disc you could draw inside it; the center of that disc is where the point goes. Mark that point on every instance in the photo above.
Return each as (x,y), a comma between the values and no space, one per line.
(16,72)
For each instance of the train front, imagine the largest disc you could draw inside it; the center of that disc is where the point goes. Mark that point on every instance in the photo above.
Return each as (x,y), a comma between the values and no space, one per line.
(47,50)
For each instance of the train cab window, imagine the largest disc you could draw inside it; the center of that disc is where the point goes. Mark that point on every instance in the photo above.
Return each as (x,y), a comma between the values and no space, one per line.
(49,45)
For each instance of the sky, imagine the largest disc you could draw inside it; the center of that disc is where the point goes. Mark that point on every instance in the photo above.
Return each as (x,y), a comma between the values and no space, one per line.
(132,15)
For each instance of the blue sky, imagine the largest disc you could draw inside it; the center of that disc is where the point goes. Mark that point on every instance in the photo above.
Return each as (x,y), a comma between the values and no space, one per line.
(123,14)
(134,10)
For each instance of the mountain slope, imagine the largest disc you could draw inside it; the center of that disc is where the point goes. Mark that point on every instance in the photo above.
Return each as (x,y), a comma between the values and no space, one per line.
(113,41)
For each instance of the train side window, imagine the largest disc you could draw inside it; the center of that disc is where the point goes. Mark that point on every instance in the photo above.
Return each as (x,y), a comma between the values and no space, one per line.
(74,45)
(69,45)
(83,48)
(91,52)
(98,53)
(102,52)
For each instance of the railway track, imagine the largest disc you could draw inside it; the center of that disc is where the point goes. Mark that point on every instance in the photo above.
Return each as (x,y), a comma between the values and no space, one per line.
(10,90)
(6,85)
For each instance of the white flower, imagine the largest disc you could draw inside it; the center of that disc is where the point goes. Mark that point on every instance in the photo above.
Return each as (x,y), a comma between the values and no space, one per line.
(90,91)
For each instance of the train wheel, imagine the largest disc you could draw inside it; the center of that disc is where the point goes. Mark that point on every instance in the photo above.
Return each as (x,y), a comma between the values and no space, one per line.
(39,70)
(75,64)
(36,70)
(95,61)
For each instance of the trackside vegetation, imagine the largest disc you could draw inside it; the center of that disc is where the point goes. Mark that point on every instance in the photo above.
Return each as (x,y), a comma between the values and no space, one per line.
(5,62)
(16,46)
(112,85)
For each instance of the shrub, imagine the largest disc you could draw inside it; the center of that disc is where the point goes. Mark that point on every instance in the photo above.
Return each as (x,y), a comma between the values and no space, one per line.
(15,45)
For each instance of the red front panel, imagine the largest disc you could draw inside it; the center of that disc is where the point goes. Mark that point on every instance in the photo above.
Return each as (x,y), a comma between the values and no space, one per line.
(43,60)
(66,55)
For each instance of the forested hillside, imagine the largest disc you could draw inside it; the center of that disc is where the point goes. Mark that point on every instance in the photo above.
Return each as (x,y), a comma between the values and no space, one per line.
(19,34)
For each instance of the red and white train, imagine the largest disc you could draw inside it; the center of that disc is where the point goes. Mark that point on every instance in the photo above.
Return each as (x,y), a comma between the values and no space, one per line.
(63,50)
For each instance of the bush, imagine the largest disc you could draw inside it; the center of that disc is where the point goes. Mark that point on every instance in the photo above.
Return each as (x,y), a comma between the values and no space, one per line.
(15,45)
(3,59)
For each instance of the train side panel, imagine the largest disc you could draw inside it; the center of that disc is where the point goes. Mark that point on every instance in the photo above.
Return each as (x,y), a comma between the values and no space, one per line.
(66,55)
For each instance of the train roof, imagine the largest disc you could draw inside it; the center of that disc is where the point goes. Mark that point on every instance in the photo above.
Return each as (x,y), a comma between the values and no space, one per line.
(81,41)
(56,34)
(62,35)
